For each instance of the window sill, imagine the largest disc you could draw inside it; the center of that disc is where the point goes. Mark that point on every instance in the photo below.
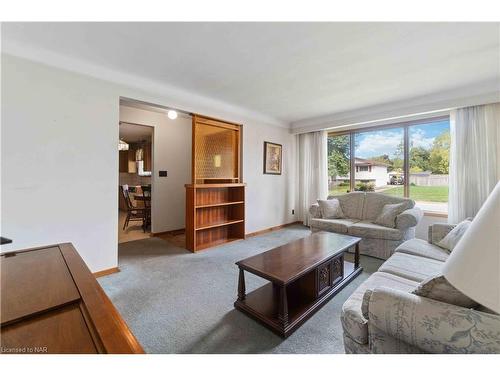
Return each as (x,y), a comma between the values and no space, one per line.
(436,214)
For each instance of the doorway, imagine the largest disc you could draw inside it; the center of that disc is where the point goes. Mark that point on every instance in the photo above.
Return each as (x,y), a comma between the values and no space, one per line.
(135,151)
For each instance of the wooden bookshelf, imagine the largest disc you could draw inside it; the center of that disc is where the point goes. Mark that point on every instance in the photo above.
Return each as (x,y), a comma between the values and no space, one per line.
(220,204)
(215,201)
(215,213)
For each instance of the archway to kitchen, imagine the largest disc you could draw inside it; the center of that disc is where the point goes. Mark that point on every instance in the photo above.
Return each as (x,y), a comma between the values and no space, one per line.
(135,150)
(153,170)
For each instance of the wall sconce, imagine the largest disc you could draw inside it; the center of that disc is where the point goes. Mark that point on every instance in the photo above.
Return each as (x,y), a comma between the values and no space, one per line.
(217,161)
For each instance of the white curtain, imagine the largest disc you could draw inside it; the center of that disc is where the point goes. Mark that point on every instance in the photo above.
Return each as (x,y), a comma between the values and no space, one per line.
(313,171)
(474,158)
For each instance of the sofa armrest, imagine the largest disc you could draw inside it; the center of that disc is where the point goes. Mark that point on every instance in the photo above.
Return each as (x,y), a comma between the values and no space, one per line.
(438,231)
(315,211)
(431,326)
(409,218)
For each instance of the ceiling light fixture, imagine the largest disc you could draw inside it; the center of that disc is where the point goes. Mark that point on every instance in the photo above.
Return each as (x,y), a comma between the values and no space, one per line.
(172,115)
(122,145)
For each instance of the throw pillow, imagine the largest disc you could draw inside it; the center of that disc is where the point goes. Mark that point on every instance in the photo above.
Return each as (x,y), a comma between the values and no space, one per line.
(387,217)
(452,238)
(330,209)
(439,289)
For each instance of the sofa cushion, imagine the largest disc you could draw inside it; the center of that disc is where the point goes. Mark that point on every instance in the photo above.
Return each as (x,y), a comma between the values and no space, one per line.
(422,248)
(452,238)
(366,229)
(353,321)
(352,204)
(440,289)
(374,202)
(332,225)
(387,216)
(411,267)
(330,209)
(315,211)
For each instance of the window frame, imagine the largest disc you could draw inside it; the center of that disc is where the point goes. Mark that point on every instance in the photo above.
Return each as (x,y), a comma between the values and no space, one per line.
(406,125)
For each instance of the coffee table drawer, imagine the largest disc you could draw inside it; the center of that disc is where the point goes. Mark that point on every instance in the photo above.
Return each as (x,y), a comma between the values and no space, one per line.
(329,273)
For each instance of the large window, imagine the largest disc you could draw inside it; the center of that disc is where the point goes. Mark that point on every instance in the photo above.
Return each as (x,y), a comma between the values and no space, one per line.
(429,159)
(379,161)
(405,160)
(339,152)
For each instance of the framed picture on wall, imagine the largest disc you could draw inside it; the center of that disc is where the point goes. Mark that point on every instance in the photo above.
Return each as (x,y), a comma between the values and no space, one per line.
(273,155)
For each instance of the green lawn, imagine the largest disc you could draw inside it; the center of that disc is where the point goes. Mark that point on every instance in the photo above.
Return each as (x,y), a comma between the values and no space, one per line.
(338,190)
(422,193)
(418,193)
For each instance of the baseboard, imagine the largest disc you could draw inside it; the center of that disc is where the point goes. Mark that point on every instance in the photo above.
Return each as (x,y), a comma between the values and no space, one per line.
(174,232)
(272,229)
(109,271)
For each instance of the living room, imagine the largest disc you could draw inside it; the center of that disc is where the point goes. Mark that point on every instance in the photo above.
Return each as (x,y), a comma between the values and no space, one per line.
(339,214)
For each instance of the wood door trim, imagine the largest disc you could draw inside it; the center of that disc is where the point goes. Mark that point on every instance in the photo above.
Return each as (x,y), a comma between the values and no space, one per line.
(211,120)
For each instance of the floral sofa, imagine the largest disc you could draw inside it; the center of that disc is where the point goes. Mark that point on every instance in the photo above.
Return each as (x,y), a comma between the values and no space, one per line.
(382,316)
(360,210)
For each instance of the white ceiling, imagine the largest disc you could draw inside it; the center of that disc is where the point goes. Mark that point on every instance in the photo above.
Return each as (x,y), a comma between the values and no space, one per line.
(288,71)
(135,133)
(151,107)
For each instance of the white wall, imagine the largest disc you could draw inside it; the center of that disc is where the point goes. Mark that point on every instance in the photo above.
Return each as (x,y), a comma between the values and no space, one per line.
(269,198)
(171,152)
(60,165)
(59,161)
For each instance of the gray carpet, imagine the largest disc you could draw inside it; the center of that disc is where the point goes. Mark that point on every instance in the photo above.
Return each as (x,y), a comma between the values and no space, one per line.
(178,302)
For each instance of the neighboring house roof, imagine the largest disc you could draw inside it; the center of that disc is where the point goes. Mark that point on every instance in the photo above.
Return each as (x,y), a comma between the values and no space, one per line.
(360,161)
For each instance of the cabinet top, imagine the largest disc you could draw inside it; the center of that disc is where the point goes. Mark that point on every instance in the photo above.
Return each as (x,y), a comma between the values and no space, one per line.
(207,186)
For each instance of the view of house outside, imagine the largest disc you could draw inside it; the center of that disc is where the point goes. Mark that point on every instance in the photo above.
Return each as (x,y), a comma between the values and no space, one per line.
(379,160)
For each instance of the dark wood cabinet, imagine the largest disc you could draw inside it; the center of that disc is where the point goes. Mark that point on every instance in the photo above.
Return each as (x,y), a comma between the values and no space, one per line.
(127,162)
(123,161)
(147,156)
(51,303)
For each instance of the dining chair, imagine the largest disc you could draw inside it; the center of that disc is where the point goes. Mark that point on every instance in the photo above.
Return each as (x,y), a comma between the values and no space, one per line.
(133,213)
(146,195)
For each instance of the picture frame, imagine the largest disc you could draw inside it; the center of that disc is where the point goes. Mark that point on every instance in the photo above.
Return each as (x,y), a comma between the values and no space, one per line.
(273,158)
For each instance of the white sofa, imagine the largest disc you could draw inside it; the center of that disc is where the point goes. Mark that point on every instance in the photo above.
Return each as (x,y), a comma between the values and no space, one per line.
(383,316)
(360,209)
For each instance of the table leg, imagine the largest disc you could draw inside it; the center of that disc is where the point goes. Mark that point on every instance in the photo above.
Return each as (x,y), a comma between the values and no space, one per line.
(241,286)
(283,306)
(356,256)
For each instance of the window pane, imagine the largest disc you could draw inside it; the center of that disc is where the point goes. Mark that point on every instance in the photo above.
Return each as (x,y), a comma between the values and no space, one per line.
(338,164)
(379,158)
(429,155)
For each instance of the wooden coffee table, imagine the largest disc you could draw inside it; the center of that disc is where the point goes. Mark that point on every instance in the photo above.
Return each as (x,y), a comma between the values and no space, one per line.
(303,274)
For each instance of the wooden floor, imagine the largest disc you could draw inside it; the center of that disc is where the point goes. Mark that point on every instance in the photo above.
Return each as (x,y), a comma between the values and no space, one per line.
(133,232)
(176,238)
